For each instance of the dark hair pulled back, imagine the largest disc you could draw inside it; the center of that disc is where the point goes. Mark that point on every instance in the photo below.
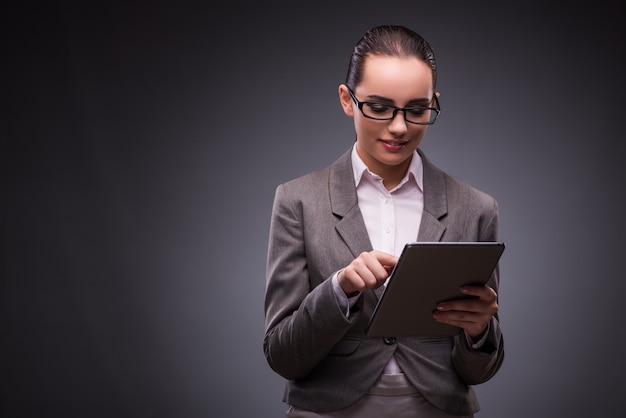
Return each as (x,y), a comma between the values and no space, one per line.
(389,40)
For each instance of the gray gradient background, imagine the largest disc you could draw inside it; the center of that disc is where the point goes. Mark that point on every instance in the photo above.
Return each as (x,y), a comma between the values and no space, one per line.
(144,145)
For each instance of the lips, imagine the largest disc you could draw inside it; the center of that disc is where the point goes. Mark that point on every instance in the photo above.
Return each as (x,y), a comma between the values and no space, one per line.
(393,145)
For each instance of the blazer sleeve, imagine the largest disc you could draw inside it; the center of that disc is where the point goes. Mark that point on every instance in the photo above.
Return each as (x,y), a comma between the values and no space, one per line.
(478,366)
(303,320)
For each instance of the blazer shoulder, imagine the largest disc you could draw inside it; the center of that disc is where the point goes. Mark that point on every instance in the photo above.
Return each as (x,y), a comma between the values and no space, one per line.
(308,185)
(475,194)
(316,182)
(445,192)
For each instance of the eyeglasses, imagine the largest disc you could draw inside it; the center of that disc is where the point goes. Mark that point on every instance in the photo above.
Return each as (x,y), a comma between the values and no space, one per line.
(418,115)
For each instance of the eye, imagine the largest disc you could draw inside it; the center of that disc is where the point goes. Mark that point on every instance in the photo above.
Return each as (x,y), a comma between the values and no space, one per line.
(416,111)
(379,108)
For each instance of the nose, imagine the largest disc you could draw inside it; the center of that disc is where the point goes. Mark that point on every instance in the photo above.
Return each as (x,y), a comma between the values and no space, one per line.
(398,125)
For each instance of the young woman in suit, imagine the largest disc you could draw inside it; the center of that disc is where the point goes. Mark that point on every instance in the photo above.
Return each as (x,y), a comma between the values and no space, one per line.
(335,235)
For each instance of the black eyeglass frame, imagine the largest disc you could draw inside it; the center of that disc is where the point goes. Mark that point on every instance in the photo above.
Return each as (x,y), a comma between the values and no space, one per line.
(396,109)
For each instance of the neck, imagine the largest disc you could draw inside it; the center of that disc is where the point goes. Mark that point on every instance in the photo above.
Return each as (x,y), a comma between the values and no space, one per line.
(392,179)
(392,175)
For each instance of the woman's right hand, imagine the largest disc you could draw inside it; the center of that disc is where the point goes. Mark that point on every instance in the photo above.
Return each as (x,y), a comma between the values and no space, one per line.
(368,271)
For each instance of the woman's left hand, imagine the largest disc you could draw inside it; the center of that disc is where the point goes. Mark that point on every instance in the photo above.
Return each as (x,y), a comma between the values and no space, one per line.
(473,315)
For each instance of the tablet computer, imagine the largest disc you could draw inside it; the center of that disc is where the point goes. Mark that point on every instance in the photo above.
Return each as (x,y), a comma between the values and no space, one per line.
(428,273)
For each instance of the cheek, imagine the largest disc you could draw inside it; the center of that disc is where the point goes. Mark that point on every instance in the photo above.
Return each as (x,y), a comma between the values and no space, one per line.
(366,128)
(359,129)
(421,131)
(418,132)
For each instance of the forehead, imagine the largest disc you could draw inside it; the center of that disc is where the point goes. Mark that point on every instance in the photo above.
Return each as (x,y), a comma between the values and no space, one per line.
(396,77)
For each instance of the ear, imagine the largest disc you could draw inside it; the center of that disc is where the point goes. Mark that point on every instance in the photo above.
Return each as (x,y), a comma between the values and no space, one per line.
(346,100)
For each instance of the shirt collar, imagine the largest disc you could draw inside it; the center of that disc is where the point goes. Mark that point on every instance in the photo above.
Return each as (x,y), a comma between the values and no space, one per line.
(415,171)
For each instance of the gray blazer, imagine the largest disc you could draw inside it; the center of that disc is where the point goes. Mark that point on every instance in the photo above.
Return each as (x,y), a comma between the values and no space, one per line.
(316,229)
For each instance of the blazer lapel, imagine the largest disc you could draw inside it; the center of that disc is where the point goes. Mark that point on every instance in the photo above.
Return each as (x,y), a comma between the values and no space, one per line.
(344,204)
(435,202)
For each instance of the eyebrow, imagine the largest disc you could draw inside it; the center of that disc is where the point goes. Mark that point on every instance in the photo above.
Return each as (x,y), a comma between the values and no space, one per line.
(419,102)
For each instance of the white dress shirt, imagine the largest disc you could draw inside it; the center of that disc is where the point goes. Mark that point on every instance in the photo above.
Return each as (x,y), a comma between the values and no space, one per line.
(392,217)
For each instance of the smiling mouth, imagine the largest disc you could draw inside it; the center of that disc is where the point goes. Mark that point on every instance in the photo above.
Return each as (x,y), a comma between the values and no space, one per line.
(393,143)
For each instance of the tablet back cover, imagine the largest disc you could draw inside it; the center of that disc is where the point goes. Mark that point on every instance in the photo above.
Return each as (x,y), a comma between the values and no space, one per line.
(428,273)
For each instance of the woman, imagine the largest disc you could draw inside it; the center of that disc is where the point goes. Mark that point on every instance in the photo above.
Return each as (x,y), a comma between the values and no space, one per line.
(336,234)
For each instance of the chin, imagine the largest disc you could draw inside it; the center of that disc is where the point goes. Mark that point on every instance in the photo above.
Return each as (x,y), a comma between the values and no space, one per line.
(394,160)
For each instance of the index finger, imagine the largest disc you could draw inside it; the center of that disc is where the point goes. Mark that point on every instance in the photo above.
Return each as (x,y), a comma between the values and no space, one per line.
(386,259)
(482,292)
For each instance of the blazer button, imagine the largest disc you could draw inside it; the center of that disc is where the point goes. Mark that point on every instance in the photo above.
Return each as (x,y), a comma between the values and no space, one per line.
(389,340)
